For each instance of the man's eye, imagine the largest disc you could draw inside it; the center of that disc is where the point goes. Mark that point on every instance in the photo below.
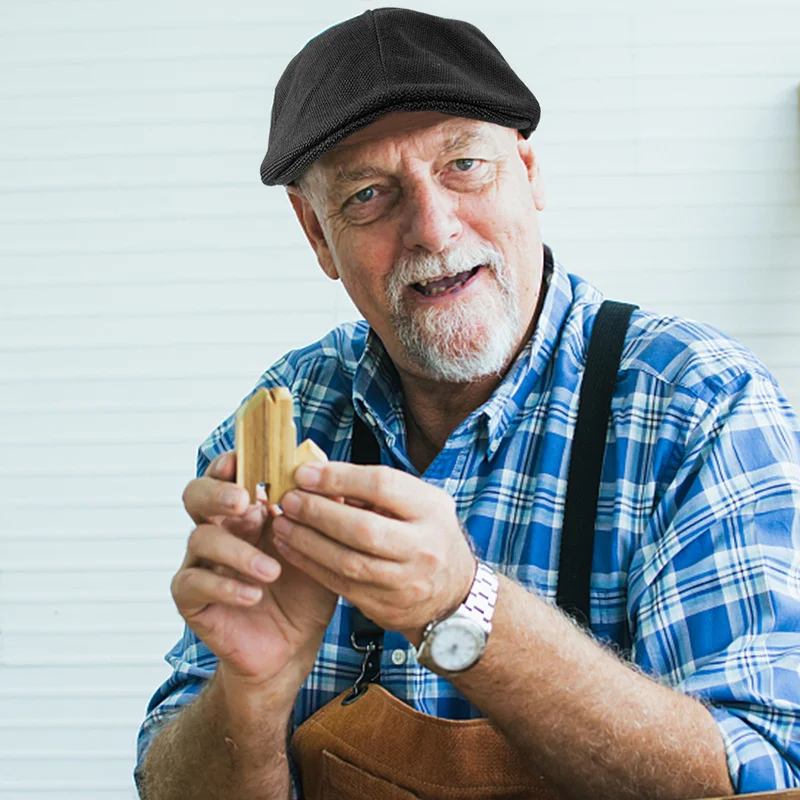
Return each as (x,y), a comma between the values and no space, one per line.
(465,164)
(365,195)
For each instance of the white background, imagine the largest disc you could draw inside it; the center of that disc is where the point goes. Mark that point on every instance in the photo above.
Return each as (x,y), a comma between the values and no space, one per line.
(147,278)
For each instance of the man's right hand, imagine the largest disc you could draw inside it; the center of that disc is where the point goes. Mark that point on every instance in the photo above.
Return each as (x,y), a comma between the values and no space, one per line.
(262,618)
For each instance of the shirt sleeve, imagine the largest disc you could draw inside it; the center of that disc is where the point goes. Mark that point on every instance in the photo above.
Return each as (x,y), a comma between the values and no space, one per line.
(193,664)
(714,590)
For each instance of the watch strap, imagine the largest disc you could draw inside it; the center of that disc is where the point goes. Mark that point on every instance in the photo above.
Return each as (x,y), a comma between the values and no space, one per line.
(482,597)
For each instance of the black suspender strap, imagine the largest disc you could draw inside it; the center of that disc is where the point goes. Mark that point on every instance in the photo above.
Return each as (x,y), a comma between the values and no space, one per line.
(364,448)
(586,458)
(365,636)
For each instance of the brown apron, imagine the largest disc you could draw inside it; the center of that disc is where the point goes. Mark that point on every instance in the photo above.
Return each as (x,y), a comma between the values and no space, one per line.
(379,748)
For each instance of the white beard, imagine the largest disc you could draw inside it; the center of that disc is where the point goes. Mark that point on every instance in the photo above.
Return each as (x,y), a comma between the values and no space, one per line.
(470,338)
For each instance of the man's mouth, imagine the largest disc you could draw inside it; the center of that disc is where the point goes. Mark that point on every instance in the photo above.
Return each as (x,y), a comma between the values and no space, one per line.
(451,283)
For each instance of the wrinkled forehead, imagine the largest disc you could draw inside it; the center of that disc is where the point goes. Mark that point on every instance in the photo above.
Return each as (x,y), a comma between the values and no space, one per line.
(408,123)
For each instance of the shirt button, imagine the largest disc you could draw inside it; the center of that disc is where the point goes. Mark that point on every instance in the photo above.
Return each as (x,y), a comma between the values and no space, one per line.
(398,657)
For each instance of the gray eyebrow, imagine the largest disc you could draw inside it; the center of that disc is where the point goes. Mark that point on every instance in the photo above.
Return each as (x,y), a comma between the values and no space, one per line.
(346,176)
(462,140)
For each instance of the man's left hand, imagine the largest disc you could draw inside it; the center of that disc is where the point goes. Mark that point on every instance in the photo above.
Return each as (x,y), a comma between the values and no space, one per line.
(394,548)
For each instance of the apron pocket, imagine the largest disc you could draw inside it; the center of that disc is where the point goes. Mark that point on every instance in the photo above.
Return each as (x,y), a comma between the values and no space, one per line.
(344,781)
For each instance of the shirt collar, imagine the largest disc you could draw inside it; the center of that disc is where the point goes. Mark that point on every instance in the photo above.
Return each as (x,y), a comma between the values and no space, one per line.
(525,377)
(377,394)
(376,384)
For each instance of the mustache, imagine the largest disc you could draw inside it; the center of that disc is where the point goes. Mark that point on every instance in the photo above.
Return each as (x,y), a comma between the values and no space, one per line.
(416,267)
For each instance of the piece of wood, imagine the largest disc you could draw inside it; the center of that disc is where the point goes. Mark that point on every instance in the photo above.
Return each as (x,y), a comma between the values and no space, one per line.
(251,439)
(266,444)
(281,473)
(308,451)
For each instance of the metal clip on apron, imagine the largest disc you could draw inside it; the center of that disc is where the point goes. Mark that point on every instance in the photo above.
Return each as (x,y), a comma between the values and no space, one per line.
(368,745)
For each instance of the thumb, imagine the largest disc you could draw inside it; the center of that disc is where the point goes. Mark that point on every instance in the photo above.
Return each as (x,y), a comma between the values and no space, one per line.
(223,467)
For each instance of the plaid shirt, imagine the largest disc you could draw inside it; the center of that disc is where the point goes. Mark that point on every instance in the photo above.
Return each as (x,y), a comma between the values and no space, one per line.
(696,570)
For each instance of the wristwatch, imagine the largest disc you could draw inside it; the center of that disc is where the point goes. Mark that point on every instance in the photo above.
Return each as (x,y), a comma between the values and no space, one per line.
(455,643)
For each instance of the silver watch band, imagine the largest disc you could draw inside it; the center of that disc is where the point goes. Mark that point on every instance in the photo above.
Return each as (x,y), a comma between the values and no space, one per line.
(470,623)
(479,605)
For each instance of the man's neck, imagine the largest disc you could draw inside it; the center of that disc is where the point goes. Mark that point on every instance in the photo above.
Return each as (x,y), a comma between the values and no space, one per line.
(433,410)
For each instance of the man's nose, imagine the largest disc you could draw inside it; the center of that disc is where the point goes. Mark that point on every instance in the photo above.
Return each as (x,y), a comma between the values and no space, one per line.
(432,221)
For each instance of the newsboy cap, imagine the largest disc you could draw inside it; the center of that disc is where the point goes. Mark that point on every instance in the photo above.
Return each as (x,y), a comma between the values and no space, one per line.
(389,59)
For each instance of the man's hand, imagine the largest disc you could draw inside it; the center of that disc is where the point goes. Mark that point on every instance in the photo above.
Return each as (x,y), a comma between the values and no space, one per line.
(394,548)
(263,618)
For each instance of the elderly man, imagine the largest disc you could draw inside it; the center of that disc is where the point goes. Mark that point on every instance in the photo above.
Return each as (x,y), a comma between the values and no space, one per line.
(402,140)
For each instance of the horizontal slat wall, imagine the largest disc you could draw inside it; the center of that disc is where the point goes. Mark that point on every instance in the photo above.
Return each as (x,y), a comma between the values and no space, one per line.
(147,278)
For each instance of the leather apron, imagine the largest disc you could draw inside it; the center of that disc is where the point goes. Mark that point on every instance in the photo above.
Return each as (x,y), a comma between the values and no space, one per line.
(379,748)
(376,747)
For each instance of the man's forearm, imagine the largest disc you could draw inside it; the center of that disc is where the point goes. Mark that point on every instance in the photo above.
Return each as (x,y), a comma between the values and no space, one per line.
(591,723)
(226,743)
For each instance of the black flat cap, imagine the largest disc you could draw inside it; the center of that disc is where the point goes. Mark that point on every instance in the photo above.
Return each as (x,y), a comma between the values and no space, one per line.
(389,59)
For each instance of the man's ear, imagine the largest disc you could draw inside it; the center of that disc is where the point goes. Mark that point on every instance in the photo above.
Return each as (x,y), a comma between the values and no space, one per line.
(532,167)
(310,224)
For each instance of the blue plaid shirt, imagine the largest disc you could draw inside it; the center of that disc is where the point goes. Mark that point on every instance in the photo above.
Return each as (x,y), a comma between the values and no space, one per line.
(696,570)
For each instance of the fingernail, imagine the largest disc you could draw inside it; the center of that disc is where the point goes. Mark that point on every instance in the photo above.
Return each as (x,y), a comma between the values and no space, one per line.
(265,567)
(291,503)
(308,476)
(250,593)
(219,464)
(281,525)
(231,496)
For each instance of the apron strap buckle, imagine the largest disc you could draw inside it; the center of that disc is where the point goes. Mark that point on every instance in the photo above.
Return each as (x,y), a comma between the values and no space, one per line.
(370,668)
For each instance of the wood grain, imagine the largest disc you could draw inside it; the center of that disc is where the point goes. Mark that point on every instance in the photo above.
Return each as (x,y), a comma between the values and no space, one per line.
(266,444)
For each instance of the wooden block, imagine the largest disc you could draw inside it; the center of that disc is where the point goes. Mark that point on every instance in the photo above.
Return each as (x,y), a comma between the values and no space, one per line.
(308,451)
(251,438)
(266,444)
(285,443)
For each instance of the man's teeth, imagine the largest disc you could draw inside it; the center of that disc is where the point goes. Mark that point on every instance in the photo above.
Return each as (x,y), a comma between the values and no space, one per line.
(447,283)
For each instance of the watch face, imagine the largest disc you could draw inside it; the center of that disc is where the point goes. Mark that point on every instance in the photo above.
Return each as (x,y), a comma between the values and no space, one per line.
(456,645)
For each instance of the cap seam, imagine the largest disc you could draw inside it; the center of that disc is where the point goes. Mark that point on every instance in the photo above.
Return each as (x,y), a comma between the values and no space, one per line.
(380,46)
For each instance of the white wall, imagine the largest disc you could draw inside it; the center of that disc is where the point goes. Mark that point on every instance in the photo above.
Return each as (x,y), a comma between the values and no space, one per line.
(147,278)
